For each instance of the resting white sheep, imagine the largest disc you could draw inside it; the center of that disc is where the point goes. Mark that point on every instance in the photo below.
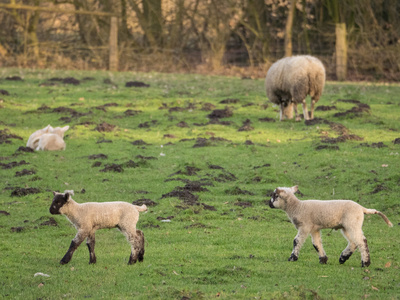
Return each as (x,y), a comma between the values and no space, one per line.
(33,140)
(90,216)
(48,138)
(310,216)
(290,80)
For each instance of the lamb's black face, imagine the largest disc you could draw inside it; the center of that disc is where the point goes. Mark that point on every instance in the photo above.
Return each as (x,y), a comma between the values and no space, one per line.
(58,201)
(274,196)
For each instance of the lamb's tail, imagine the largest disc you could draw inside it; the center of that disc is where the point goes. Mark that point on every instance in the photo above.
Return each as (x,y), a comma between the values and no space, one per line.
(141,208)
(376,212)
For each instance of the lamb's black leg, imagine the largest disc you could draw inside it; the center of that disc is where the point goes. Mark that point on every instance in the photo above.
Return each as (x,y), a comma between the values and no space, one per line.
(74,245)
(90,243)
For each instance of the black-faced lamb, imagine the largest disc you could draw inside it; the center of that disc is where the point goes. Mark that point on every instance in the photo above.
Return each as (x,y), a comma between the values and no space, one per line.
(90,216)
(310,216)
(290,80)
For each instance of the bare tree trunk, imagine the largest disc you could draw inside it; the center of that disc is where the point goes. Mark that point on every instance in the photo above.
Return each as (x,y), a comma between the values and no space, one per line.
(341,51)
(289,28)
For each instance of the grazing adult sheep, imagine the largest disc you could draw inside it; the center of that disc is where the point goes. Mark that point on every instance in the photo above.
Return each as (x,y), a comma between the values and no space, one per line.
(290,80)
(310,216)
(90,216)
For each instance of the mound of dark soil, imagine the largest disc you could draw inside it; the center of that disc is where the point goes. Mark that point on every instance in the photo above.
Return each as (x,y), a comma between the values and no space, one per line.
(374,145)
(248,143)
(14,78)
(20,192)
(4,93)
(194,186)
(355,110)
(25,172)
(147,124)
(246,126)
(139,143)
(229,101)
(221,113)
(49,222)
(225,177)
(328,147)
(176,109)
(208,207)
(17,229)
(183,195)
(136,84)
(145,157)
(98,156)
(316,121)
(243,204)
(182,124)
(13,164)
(396,141)
(4,213)
(5,136)
(238,191)
(207,106)
(215,167)
(24,149)
(144,201)
(263,166)
(112,168)
(103,141)
(266,119)
(325,108)
(379,188)
(131,112)
(97,164)
(64,110)
(71,80)
(189,171)
(105,127)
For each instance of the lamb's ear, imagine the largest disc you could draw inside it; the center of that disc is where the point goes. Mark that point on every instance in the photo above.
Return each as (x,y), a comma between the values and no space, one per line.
(54,193)
(278,191)
(295,188)
(66,197)
(65,128)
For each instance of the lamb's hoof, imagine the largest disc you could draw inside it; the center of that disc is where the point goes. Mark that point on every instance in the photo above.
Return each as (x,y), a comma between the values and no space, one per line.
(293,257)
(63,262)
(365,263)
(323,260)
(91,262)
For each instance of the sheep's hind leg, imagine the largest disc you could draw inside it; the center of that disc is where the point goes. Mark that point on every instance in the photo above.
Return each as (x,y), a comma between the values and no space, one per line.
(78,239)
(317,243)
(349,250)
(90,243)
(305,112)
(361,242)
(297,244)
(136,239)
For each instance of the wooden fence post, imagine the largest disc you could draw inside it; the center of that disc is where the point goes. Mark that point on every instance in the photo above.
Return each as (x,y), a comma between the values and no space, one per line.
(113,53)
(341,51)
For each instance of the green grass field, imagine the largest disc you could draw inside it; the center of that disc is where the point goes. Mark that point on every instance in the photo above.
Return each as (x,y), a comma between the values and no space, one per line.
(210,178)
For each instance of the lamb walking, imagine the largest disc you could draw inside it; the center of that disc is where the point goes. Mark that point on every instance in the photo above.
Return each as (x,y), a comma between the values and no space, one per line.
(310,216)
(90,216)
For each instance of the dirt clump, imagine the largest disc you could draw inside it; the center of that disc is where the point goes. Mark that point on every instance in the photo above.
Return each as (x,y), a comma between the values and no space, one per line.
(374,145)
(243,204)
(238,191)
(182,124)
(17,229)
(103,141)
(49,222)
(71,80)
(188,171)
(136,84)
(396,141)
(263,166)
(98,156)
(139,143)
(207,106)
(105,127)
(13,164)
(144,201)
(325,108)
(4,93)
(229,101)
(266,119)
(246,126)
(24,149)
(20,192)
(25,172)
(5,136)
(355,110)
(327,147)
(131,112)
(221,113)
(112,168)
(184,195)
(4,213)
(14,78)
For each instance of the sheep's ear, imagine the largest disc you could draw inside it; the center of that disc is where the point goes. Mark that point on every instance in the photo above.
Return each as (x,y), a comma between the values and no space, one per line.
(295,188)
(54,193)
(66,197)
(64,129)
(278,191)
